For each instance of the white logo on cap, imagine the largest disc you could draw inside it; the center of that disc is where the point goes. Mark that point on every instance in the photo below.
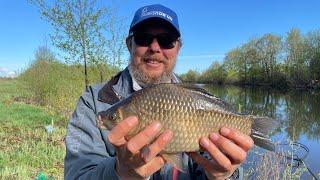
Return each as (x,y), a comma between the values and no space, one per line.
(154,13)
(144,11)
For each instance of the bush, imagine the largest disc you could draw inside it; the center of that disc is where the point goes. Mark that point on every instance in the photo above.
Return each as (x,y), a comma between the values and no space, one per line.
(214,74)
(190,76)
(57,86)
(232,77)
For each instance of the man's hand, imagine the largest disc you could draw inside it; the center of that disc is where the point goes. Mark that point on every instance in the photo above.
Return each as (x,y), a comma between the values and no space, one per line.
(134,159)
(227,149)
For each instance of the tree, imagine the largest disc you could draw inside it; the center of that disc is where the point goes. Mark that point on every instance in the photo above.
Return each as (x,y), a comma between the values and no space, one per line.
(79,30)
(296,64)
(190,76)
(116,41)
(269,47)
(237,59)
(313,55)
(214,74)
(43,53)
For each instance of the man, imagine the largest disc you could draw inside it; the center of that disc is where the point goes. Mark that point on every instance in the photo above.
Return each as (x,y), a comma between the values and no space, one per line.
(154,43)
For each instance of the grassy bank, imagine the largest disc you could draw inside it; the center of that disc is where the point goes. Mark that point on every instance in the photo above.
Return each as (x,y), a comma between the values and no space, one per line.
(26,149)
(57,86)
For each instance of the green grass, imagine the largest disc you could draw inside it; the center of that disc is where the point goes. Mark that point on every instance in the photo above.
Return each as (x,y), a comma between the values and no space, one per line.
(26,149)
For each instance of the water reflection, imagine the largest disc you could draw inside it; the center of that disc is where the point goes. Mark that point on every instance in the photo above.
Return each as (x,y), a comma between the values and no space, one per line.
(297,111)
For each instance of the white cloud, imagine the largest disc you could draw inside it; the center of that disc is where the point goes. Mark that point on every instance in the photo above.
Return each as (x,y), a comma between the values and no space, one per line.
(5,72)
(12,74)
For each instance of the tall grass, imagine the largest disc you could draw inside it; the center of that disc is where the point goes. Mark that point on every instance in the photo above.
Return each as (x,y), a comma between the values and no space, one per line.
(276,165)
(47,91)
(57,86)
(25,147)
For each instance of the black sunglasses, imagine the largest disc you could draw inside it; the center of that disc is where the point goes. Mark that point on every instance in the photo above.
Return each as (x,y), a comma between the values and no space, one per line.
(165,40)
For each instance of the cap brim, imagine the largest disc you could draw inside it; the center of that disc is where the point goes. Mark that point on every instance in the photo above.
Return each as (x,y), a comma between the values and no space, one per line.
(156,21)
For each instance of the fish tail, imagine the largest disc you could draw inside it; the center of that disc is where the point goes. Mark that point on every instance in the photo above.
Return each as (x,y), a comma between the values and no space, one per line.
(261,129)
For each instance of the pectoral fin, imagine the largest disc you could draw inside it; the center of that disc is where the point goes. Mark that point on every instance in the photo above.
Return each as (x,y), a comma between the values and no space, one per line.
(175,160)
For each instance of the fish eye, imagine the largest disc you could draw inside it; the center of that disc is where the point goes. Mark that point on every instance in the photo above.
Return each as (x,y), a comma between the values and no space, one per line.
(113,117)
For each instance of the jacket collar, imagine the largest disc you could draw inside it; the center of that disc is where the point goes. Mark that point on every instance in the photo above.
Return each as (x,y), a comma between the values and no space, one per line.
(120,86)
(117,88)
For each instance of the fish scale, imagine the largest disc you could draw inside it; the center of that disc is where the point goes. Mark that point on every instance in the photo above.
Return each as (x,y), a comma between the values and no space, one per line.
(184,110)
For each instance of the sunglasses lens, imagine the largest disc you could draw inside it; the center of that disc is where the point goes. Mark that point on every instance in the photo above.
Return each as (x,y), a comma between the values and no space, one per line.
(143,39)
(165,40)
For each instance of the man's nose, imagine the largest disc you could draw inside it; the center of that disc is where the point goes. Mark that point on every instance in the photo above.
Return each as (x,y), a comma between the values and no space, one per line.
(154,46)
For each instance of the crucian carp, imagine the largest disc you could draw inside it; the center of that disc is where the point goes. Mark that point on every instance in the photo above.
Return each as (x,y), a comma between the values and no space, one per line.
(190,112)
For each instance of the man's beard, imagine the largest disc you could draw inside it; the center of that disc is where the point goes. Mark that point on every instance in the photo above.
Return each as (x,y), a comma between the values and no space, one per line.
(144,80)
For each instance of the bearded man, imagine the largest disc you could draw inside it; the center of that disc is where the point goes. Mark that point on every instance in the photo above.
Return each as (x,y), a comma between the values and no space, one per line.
(154,42)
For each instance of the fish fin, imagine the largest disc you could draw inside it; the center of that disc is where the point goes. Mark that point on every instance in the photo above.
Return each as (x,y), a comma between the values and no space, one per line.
(175,160)
(224,106)
(99,122)
(263,141)
(264,125)
(194,88)
(261,129)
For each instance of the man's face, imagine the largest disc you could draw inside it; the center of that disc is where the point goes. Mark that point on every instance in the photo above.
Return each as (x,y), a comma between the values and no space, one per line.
(152,63)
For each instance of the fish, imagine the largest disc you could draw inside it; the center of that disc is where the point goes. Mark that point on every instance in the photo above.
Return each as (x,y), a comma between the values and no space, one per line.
(190,112)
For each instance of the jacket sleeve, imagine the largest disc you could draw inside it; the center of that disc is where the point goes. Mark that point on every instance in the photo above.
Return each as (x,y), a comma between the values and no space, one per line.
(87,155)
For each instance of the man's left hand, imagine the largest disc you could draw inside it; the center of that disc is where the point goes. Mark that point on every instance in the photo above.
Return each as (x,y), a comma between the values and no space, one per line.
(228,150)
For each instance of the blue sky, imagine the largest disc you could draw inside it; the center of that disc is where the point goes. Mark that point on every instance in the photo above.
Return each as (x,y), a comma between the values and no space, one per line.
(210,28)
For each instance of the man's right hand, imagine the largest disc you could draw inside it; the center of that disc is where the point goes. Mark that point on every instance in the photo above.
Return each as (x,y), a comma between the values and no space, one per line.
(137,157)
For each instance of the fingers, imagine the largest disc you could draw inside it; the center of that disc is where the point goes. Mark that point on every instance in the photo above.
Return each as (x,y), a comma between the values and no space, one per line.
(205,163)
(158,145)
(212,169)
(244,141)
(227,149)
(151,167)
(135,158)
(116,135)
(231,151)
(219,157)
(144,137)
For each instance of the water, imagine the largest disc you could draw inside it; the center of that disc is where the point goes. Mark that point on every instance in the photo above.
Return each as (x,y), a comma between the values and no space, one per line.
(297,111)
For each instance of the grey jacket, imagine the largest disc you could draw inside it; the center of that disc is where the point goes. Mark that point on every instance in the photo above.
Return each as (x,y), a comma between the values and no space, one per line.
(89,154)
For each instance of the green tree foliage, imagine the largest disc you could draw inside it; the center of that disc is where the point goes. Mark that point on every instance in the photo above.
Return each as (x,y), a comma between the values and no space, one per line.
(273,60)
(268,49)
(190,76)
(232,65)
(296,65)
(313,55)
(215,74)
(55,85)
(80,28)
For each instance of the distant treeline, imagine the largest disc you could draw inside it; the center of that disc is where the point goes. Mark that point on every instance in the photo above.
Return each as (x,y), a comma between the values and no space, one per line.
(270,60)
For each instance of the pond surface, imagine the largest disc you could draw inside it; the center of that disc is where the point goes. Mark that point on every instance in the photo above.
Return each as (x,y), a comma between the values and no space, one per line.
(298,113)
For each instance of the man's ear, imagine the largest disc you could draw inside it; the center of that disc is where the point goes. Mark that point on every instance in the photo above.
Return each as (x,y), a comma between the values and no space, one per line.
(180,43)
(129,43)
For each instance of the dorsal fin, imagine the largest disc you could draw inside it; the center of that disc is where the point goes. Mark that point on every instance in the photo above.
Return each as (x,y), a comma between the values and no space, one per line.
(211,98)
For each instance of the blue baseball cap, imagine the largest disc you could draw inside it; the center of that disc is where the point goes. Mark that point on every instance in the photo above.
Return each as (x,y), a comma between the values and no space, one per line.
(156,12)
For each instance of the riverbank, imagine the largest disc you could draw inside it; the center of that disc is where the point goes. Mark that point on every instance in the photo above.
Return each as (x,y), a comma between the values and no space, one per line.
(27,149)
(279,86)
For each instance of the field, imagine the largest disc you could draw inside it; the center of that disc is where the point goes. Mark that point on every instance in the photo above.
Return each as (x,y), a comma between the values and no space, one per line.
(27,150)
